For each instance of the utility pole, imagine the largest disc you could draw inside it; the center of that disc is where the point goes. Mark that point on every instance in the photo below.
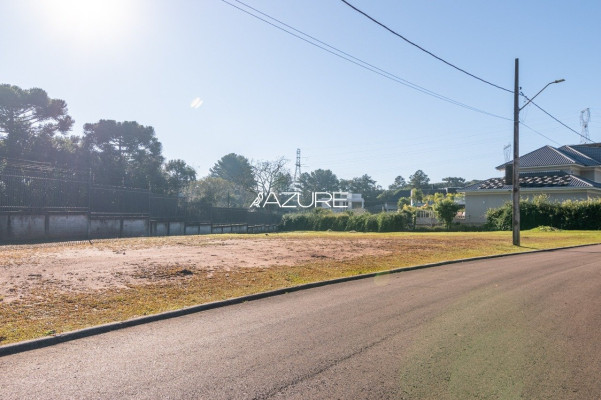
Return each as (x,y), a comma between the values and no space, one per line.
(516,150)
(516,156)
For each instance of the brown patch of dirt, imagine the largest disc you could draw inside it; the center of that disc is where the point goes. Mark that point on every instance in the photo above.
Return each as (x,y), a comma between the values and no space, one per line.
(118,264)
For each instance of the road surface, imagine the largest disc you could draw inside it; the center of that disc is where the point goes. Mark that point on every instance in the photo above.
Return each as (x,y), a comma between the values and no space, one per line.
(525,326)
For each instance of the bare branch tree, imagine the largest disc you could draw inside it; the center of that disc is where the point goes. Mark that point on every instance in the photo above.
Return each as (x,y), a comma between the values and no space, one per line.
(272,175)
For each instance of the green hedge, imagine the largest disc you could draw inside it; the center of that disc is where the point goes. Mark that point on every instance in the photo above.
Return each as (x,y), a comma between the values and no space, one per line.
(319,220)
(574,215)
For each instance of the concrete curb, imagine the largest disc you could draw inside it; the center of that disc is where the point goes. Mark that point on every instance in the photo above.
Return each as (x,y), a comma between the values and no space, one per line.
(113,326)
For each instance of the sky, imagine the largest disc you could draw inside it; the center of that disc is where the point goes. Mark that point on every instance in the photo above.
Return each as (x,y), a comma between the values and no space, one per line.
(212,79)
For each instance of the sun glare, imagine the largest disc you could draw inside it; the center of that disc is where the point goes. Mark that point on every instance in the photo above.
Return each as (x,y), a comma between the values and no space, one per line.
(196,103)
(88,19)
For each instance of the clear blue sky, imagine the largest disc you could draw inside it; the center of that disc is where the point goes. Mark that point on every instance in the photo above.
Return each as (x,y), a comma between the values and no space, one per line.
(265,93)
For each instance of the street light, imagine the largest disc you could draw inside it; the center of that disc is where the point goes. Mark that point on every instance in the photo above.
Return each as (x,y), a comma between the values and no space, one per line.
(540,91)
(516,152)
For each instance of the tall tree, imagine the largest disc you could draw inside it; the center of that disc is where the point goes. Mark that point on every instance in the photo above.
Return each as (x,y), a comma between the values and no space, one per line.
(453,181)
(125,153)
(399,182)
(472,182)
(28,121)
(67,152)
(179,175)
(319,180)
(419,180)
(272,176)
(364,185)
(216,192)
(283,182)
(236,169)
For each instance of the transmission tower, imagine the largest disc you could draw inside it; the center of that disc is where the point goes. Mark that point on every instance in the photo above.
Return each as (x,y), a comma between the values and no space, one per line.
(507,152)
(297,169)
(585,117)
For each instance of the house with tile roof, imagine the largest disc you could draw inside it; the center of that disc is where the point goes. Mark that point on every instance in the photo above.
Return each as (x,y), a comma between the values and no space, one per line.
(564,173)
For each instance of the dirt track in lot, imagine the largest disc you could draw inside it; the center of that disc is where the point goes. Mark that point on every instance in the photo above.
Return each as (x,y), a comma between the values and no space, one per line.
(118,263)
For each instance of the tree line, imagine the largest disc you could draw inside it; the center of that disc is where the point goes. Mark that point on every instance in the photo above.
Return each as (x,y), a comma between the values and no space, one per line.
(36,127)
(234,181)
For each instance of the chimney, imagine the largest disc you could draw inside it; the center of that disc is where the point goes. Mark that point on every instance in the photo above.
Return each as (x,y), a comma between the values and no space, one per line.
(508,174)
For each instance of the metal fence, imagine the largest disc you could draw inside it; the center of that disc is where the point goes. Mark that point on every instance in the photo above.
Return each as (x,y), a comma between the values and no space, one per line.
(38,188)
(19,192)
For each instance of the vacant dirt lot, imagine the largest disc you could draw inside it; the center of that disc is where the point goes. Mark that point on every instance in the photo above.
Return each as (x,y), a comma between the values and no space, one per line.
(52,288)
(108,264)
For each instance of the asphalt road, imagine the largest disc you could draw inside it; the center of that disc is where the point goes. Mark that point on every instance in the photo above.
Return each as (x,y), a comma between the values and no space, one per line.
(526,326)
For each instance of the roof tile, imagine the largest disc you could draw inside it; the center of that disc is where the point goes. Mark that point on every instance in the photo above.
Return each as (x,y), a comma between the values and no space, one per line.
(548,179)
(585,155)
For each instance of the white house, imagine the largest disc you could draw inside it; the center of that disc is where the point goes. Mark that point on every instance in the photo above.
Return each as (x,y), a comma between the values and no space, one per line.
(352,201)
(564,173)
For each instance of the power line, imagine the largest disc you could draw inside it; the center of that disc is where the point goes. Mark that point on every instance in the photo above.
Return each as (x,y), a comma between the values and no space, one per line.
(538,133)
(540,108)
(372,68)
(364,148)
(352,59)
(384,158)
(422,49)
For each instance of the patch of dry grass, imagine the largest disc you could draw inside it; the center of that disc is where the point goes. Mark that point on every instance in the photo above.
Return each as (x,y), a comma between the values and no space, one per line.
(49,312)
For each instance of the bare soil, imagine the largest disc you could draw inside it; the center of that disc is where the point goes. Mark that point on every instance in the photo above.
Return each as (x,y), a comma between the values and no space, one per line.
(84,266)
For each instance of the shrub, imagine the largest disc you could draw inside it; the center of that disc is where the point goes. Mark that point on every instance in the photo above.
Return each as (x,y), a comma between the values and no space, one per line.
(371,223)
(403,201)
(446,210)
(324,222)
(340,222)
(585,215)
(403,220)
(544,228)
(499,219)
(357,222)
(297,222)
(394,222)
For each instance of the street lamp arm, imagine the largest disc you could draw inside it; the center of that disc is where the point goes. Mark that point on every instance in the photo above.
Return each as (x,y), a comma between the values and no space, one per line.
(539,92)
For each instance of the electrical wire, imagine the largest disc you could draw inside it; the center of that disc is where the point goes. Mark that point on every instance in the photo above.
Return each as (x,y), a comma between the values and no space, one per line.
(537,132)
(423,49)
(364,148)
(372,68)
(423,149)
(540,108)
(357,61)
(460,69)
